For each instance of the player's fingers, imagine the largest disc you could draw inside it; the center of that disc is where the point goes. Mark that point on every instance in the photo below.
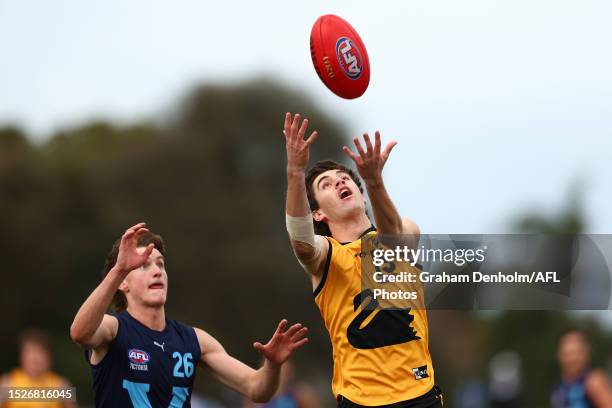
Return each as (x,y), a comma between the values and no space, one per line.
(368,143)
(377,143)
(130,232)
(350,154)
(295,124)
(387,151)
(293,329)
(298,344)
(148,251)
(302,130)
(359,148)
(141,231)
(300,333)
(136,227)
(281,326)
(258,346)
(127,237)
(311,139)
(287,121)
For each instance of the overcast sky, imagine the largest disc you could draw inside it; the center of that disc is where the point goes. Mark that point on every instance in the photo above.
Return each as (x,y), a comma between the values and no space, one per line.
(498,106)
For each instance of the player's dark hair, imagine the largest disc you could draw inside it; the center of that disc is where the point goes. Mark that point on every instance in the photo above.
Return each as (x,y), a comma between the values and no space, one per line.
(35,336)
(119,302)
(319,167)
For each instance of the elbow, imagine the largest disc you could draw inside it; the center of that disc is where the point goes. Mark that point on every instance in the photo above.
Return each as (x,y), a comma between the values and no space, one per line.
(78,335)
(261,398)
(259,392)
(75,334)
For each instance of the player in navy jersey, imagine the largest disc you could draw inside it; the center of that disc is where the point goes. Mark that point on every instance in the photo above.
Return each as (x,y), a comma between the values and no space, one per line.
(139,358)
(581,385)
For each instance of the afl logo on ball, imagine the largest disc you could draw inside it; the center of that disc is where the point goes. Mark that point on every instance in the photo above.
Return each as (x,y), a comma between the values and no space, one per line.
(349,57)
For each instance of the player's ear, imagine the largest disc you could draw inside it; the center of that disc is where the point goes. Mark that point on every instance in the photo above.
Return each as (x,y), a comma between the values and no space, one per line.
(124,287)
(319,215)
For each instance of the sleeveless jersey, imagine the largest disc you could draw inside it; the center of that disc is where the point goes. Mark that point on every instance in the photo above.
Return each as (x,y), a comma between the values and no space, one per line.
(17,379)
(146,368)
(381,355)
(572,395)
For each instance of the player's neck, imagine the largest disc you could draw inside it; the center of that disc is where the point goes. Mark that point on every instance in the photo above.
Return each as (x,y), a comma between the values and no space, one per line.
(152,317)
(349,229)
(572,375)
(34,375)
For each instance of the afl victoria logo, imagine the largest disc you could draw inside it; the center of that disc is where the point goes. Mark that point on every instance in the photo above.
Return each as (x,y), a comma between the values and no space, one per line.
(349,57)
(139,359)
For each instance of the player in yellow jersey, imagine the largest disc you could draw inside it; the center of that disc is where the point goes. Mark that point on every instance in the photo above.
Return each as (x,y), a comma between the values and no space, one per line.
(381,356)
(34,372)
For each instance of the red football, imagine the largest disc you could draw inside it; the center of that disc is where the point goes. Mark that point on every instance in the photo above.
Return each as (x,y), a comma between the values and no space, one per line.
(339,57)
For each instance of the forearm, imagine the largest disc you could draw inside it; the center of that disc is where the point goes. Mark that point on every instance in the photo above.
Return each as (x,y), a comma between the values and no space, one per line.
(308,247)
(90,315)
(386,216)
(297,201)
(264,382)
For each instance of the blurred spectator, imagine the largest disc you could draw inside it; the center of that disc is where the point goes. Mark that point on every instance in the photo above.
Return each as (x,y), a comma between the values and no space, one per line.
(505,380)
(471,393)
(200,401)
(581,385)
(290,394)
(34,370)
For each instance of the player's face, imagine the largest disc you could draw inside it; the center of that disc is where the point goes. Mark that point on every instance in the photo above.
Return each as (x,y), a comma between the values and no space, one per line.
(573,353)
(337,195)
(148,285)
(35,359)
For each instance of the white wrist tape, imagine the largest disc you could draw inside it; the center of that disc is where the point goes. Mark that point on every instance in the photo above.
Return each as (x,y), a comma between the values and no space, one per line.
(301,229)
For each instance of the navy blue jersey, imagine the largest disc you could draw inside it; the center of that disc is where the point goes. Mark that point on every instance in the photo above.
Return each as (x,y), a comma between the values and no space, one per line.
(146,368)
(572,394)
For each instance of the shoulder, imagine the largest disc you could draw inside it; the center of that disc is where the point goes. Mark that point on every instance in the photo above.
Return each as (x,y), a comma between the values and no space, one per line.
(410,227)
(110,327)
(207,342)
(5,379)
(57,380)
(410,236)
(180,326)
(111,321)
(596,379)
(185,335)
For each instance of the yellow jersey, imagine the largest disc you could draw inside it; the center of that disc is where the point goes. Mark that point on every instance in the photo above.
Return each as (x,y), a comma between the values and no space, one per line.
(18,378)
(380,354)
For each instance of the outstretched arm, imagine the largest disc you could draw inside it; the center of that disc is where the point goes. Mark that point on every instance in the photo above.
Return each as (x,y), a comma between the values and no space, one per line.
(92,327)
(257,385)
(310,249)
(370,163)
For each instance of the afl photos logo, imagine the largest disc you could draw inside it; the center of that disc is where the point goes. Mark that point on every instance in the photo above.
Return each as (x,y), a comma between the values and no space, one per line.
(349,57)
(139,359)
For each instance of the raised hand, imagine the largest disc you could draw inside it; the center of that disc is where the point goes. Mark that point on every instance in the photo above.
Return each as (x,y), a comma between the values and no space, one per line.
(297,146)
(129,258)
(282,344)
(370,162)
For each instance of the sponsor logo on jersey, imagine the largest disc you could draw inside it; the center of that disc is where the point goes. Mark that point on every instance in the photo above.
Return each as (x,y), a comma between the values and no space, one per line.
(139,359)
(420,372)
(349,57)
